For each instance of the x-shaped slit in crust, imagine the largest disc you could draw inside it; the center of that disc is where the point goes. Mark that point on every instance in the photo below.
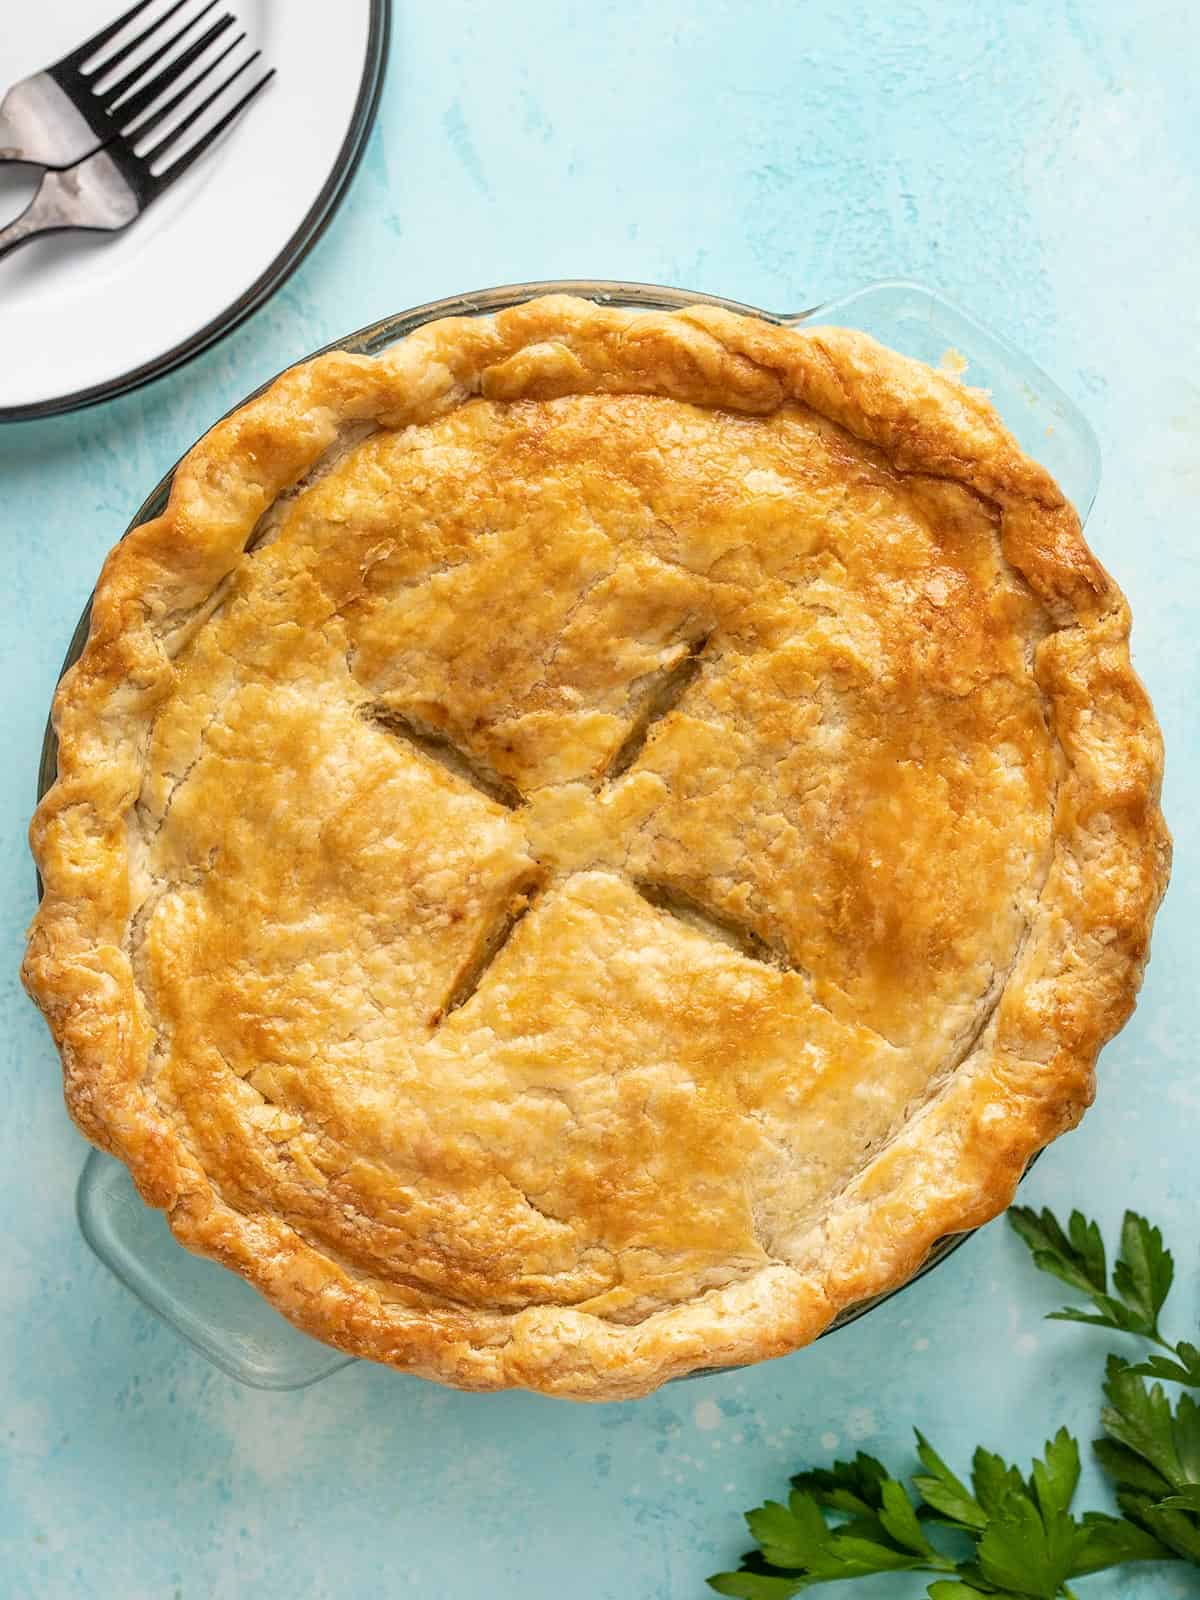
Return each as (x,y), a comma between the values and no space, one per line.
(662,698)
(471,975)
(440,748)
(658,702)
(706,919)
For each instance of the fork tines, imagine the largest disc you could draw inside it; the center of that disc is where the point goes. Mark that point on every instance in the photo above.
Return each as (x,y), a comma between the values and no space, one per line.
(130,110)
(83,53)
(181,163)
(137,165)
(120,103)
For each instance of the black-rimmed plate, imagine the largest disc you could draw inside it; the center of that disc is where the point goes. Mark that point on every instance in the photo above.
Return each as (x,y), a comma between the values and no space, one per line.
(84,317)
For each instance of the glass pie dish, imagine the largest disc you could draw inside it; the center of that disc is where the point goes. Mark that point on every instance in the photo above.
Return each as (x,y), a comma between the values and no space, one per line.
(217,1312)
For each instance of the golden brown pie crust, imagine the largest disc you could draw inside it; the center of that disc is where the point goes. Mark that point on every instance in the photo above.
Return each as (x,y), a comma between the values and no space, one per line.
(585,844)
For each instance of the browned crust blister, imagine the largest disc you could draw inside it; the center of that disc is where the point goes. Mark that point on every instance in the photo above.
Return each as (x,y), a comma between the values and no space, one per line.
(956,1162)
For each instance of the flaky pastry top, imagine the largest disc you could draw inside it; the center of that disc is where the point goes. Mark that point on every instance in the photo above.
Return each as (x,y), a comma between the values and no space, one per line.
(583,845)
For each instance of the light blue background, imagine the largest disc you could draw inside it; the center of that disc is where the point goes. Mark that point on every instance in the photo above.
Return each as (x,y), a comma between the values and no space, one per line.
(1038,164)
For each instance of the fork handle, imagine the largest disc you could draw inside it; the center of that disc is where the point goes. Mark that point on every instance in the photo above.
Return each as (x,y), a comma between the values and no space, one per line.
(47,212)
(40,123)
(91,195)
(12,143)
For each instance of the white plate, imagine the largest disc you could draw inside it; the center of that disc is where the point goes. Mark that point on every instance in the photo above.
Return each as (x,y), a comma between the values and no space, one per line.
(85,316)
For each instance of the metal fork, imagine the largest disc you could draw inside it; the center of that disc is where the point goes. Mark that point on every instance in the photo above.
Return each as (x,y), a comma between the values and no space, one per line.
(109,189)
(59,115)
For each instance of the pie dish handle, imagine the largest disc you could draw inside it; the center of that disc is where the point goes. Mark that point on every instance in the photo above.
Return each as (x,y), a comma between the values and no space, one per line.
(920,323)
(217,1312)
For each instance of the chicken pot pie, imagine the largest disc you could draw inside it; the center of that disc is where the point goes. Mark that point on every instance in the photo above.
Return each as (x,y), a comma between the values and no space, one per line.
(587,843)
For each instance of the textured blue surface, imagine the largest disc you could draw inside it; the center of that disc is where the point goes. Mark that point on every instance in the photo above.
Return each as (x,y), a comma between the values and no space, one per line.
(1040,165)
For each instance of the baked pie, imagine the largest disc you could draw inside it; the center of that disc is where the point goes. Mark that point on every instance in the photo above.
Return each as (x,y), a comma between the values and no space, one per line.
(587,843)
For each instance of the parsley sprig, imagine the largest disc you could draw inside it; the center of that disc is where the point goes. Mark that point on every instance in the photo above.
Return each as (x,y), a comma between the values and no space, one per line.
(1152,1447)
(1142,1279)
(1009,1535)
